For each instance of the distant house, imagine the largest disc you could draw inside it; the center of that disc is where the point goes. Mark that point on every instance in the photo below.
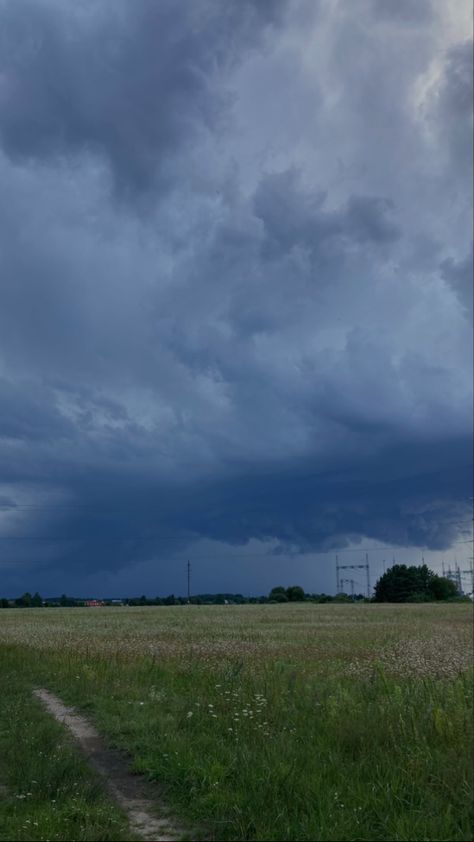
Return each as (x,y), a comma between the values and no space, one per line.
(94,603)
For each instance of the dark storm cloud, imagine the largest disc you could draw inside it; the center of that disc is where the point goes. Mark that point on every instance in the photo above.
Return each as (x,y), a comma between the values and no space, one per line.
(275,351)
(128,81)
(459,274)
(24,415)
(292,216)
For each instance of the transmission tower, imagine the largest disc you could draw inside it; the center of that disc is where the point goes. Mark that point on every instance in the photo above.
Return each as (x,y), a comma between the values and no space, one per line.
(453,575)
(350,582)
(469,572)
(353,567)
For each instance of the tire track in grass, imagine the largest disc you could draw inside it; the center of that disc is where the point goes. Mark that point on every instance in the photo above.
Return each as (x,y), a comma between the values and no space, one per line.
(133,794)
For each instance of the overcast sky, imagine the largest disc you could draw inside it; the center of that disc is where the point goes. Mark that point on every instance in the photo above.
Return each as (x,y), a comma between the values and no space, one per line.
(235,290)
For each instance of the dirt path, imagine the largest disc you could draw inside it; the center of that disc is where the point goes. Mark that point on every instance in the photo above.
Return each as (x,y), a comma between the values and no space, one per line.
(136,797)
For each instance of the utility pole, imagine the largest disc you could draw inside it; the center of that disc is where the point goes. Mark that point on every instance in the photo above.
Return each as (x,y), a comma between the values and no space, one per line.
(338,589)
(188,566)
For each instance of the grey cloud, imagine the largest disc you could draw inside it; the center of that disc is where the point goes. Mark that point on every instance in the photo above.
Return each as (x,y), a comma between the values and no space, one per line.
(451,109)
(402,11)
(298,507)
(458,82)
(128,81)
(368,219)
(26,416)
(295,217)
(275,352)
(459,274)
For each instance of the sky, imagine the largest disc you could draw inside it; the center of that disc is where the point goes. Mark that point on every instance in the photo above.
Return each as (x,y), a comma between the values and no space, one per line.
(235,292)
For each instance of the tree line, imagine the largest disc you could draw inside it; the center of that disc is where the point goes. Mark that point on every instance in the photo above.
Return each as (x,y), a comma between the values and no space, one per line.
(401,583)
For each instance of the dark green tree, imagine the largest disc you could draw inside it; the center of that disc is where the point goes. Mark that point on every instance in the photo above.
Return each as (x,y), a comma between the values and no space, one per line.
(442,588)
(412,584)
(278,594)
(24,601)
(295,593)
(342,597)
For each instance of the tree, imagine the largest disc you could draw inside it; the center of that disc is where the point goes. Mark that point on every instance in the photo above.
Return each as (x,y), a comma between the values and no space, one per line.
(23,601)
(278,594)
(443,588)
(295,593)
(36,600)
(342,597)
(412,584)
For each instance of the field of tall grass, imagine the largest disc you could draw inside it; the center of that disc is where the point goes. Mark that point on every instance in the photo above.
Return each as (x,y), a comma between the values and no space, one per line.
(274,722)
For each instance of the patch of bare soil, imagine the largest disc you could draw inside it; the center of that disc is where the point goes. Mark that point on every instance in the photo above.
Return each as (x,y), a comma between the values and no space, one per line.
(135,796)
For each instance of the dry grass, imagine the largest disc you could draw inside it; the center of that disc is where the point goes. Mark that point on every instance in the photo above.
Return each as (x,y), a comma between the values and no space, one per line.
(408,639)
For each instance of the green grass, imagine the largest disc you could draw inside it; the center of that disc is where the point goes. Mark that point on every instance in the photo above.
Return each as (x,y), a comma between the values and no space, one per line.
(280,722)
(47,791)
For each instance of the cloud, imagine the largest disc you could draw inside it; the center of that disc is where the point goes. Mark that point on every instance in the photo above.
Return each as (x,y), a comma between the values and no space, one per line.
(459,274)
(402,12)
(269,352)
(127,81)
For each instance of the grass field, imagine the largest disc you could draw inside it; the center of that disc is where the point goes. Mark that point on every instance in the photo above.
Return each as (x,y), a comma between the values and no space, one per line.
(276,722)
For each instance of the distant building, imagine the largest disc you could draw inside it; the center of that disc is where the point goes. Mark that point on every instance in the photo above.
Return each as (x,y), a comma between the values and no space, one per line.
(94,603)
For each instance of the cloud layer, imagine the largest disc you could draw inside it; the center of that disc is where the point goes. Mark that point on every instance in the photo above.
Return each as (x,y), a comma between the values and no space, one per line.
(235,281)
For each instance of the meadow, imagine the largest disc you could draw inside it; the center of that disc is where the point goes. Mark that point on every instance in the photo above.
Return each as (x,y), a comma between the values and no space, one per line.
(273,722)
